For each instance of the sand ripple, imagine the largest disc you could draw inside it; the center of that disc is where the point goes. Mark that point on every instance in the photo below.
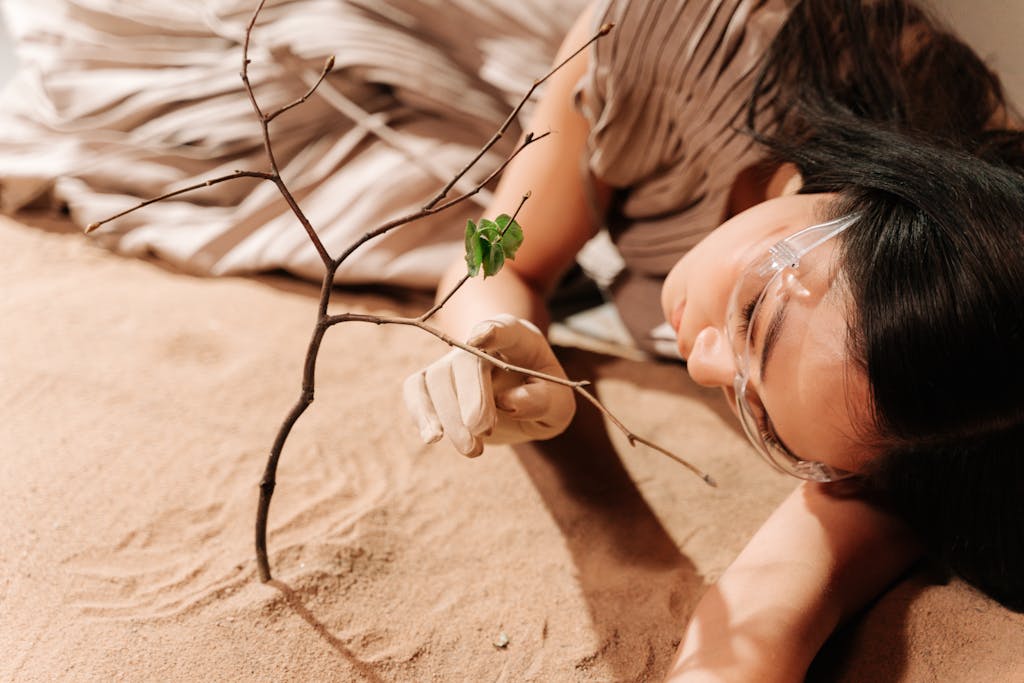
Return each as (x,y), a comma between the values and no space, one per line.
(199,548)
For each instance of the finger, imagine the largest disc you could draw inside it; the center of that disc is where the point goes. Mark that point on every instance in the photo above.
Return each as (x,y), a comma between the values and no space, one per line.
(520,343)
(417,402)
(481,333)
(528,401)
(500,333)
(441,387)
(472,377)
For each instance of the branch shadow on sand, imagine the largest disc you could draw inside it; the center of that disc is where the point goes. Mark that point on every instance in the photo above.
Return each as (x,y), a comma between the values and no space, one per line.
(637,585)
(295,603)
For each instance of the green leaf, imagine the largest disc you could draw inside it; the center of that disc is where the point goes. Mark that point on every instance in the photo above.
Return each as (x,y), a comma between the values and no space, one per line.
(490,243)
(474,250)
(494,259)
(489,230)
(513,235)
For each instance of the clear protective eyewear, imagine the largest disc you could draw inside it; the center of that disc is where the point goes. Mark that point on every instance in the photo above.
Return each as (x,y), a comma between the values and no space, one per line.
(744,305)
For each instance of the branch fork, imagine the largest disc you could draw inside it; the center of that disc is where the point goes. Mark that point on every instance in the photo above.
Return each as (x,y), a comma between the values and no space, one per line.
(324,322)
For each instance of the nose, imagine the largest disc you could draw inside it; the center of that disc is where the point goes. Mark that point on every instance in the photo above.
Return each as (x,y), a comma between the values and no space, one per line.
(711,362)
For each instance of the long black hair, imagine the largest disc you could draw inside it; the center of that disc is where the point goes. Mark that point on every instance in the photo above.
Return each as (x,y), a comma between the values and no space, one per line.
(874,100)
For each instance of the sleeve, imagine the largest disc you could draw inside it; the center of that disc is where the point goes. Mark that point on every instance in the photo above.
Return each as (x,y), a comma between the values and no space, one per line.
(666,91)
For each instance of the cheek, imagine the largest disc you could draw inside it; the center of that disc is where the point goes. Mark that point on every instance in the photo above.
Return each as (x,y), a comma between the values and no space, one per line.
(701,283)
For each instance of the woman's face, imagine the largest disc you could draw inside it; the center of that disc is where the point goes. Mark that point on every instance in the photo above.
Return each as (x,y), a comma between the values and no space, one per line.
(816,398)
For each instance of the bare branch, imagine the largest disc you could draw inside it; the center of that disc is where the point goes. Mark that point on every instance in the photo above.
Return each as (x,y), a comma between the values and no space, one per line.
(206,183)
(269,149)
(605,28)
(269,479)
(437,307)
(248,87)
(577,386)
(333,320)
(528,140)
(323,74)
(634,439)
(325,321)
(402,220)
(301,216)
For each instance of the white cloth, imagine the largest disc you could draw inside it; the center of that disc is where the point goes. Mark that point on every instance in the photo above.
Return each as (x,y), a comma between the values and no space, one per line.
(117,101)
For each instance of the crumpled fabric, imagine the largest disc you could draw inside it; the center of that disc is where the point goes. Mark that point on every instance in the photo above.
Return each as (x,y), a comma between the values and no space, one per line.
(116,101)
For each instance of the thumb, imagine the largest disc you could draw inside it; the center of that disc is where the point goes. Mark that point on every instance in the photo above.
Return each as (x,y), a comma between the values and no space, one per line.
(527,401)
(515,340)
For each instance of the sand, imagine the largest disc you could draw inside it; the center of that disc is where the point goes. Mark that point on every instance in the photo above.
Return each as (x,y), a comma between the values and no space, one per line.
(138,405)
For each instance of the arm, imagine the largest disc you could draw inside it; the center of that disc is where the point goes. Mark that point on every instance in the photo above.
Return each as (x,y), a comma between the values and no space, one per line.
(556,221)
(460,395)
(817,560)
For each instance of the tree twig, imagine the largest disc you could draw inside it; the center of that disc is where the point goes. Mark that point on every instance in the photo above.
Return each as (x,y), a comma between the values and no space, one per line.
(324,321)
(422,213)
(328,65)
(269,149)
(603,31)
(206,183)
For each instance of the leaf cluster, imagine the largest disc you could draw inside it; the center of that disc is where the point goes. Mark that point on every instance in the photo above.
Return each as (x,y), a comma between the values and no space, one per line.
(490,243)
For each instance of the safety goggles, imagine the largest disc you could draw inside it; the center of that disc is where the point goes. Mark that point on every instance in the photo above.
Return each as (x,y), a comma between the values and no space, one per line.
(792,256)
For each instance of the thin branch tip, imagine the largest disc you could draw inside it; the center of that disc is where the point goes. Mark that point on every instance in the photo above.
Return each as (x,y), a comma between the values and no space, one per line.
(325,320)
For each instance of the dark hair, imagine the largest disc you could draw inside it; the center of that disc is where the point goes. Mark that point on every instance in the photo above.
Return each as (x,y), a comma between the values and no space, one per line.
(875,101)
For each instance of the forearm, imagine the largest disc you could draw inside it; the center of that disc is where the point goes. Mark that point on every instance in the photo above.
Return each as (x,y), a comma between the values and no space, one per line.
(557,220)
(817,560)
(480,299)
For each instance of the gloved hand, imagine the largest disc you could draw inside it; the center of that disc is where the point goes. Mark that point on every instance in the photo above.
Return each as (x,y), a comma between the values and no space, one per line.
(475,402)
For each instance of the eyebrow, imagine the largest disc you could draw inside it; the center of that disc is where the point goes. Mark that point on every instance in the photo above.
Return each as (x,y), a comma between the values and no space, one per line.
(771,339)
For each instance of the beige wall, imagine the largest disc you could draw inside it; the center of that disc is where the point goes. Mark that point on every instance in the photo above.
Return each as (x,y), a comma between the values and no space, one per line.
(995,29)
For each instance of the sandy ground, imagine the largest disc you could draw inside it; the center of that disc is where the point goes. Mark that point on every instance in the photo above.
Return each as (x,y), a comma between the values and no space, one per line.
(138,405)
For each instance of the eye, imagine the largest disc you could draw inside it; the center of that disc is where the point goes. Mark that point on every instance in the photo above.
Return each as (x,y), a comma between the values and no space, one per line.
(766,430)
(743,324)
(769,439)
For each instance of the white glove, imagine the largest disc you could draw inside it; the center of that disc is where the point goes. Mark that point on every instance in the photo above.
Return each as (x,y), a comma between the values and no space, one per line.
(475,402)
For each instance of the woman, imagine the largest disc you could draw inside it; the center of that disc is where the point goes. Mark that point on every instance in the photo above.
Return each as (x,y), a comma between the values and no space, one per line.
(859,306)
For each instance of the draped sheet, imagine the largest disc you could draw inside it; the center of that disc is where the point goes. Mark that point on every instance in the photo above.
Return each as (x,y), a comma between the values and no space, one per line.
(116,101)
